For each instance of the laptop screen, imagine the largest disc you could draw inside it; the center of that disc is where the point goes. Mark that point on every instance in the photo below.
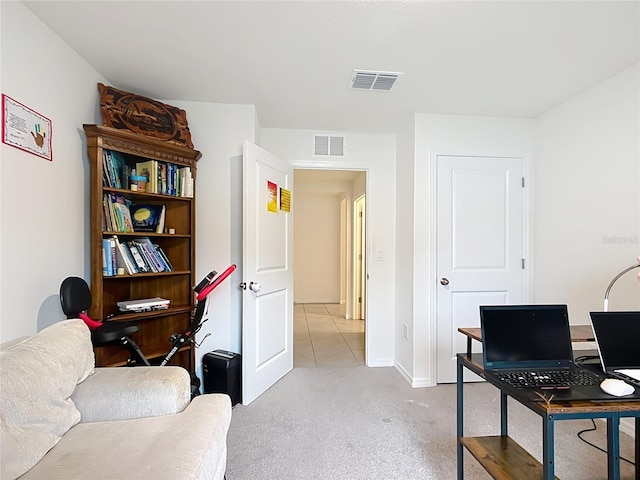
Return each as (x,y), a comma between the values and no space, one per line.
(618,339)
(525,336)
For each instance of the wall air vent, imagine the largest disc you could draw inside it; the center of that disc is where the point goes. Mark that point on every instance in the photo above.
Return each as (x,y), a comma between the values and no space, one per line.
(370,80)
(328,146)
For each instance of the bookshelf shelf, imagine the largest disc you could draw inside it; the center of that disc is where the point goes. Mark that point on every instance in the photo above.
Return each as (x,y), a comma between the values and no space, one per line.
(145,234)
(112,154)
(142,316)
(138,275)
(145,195)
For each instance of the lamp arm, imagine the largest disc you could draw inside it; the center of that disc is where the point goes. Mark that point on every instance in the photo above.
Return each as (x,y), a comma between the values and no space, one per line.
(615,279)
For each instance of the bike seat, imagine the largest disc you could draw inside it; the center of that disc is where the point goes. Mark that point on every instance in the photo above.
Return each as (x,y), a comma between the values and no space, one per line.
(110,332)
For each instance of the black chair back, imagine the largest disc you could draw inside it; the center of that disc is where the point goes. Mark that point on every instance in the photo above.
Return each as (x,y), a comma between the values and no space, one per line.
(75,296)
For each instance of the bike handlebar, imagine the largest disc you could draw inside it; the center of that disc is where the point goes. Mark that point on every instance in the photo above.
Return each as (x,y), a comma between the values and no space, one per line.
(213,282)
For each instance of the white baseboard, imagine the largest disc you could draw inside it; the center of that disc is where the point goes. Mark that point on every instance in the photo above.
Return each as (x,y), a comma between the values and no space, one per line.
(628,426)
(380,362)
(414,382)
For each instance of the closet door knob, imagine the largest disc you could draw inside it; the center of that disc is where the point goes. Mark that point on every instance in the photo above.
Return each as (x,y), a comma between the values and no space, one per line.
(444,281)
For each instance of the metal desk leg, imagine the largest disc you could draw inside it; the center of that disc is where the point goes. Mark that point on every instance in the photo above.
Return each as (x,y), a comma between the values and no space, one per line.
(460,418)
(613,447)
(637,456)
(547,447)
(503,414)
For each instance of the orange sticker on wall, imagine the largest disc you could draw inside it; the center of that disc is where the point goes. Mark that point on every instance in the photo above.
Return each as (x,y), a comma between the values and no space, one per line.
(272,197)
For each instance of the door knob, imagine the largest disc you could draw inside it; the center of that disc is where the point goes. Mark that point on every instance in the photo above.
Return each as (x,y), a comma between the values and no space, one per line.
(444,281)
(255,286)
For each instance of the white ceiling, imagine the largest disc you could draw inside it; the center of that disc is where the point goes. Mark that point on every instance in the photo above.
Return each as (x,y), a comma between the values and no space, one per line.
(293,60)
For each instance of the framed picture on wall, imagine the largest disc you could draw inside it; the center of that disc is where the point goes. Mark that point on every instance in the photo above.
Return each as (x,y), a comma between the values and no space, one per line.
(25,128)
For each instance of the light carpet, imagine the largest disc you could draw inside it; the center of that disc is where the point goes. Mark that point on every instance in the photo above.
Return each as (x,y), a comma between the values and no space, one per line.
(355,423)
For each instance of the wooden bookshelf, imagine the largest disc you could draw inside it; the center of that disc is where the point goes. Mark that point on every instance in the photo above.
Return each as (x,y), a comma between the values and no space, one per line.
(156,327)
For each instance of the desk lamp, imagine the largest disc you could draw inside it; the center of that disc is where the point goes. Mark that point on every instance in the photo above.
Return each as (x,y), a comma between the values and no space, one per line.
(615,279)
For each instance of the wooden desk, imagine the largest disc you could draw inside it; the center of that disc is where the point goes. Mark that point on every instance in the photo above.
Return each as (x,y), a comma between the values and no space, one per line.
(502,457)
(579,333)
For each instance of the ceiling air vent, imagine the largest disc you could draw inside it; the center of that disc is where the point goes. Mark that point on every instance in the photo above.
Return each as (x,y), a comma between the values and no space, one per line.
(328,146)
(370,80)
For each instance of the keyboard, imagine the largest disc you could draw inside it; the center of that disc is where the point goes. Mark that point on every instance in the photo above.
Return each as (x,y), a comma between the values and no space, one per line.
(550,379)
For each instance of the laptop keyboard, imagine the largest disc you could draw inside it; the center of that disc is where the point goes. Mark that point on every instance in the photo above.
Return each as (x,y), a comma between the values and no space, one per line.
(549,378)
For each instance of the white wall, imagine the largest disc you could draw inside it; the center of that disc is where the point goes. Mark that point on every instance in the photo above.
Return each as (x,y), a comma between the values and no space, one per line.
(316,228)
(376,154)
(49,201)
(437,134)
(587,198)
(44,205)
(218,131)
(405,256)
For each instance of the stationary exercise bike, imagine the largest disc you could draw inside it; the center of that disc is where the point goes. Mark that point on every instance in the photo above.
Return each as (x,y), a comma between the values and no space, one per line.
(75,298)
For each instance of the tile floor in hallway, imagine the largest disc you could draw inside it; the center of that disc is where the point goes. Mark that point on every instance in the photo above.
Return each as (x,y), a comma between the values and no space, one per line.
(323,337)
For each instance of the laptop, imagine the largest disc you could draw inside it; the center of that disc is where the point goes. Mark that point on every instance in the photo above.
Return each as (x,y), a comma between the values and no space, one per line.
(521,342)
(618,340)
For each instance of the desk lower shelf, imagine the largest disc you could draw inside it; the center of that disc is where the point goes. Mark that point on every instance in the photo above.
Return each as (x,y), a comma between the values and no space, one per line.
(503,458)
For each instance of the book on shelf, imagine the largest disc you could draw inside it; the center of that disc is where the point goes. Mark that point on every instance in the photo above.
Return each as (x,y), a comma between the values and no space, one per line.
(165,178)
(161,220)
(104,263)
(110,261)
(143,304)
(164,257)
(124,258)
(149,169)
(151,255)
(148,218)
(186,182)
(150,266)
(117,215)
(123,169)
(107,268)
(137,257)
(162,183)
(115,170)
(121,205)
(162,177)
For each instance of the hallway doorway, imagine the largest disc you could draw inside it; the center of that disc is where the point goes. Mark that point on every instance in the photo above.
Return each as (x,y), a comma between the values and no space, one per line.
(329,267)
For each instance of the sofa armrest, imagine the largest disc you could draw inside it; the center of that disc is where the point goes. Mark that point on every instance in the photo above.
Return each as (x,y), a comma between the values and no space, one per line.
(132,392)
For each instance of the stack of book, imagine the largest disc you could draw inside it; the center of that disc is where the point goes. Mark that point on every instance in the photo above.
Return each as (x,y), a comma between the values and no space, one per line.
(163,178)
(166,178)
(116,213)
(115,171)
(186,182)
(139,255)
(144,304)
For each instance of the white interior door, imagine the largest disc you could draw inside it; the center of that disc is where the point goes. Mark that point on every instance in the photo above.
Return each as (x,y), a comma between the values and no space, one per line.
(267,305)
(480,246)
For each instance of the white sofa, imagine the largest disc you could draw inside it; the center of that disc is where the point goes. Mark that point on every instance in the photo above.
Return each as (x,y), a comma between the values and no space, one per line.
(61,418)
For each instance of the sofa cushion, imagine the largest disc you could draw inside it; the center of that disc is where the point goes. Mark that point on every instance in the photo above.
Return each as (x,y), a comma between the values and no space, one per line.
(126,393)
(190,445)
(39,375)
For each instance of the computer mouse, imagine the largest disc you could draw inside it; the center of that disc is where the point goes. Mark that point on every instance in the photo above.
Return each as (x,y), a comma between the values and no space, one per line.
(615,387)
